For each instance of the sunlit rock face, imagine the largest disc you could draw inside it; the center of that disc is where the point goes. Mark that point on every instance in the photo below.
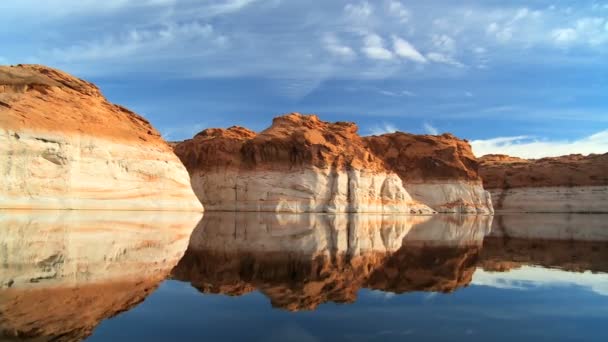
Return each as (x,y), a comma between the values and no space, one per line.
(299,164)
(572,183)
(437,170)
(301,261)
(571,242)
(64,146)
(62,272)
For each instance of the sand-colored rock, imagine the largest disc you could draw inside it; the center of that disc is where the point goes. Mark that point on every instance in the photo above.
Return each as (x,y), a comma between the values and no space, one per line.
(572,183)
(63,272)
(438,170)
(64,146)
(299,164)
(302,261)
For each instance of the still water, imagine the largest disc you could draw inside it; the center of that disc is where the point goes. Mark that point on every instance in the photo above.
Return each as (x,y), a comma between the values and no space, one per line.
(126,276)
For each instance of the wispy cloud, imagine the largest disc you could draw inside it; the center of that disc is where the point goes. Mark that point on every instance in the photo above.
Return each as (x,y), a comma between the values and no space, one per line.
(430,129)
(383,128)
(530,147)
(406,50)
(374,48)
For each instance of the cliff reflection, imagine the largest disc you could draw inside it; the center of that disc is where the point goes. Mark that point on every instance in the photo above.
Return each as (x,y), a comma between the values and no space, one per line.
(301,261)
(570,242)
(62,272)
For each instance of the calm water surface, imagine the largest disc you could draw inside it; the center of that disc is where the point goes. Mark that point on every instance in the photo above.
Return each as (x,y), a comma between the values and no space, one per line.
(149,276)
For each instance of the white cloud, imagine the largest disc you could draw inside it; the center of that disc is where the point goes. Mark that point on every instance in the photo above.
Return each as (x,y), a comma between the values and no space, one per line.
(443,59)
(359,12)
(384,128)
(406,50)
(139,41)
(443,42)
(396,94)
(527,147)
(468,94)
(373,47)
(398,10)
(532,277)
(336,48)
(430,129)
(564,35)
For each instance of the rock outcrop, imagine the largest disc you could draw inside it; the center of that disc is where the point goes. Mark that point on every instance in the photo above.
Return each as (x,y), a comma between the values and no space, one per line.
(302,261)
(572,183)
(63,272)
(438,170)
(299,164)
(64,146)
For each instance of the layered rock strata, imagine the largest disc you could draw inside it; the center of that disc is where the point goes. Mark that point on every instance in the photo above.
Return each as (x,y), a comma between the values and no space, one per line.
(302,261)
(299,164)
(63,272)
(438,170)
(572,183)
(64,146)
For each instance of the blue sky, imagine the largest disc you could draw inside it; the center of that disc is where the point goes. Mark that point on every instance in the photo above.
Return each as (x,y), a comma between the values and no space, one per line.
(527,78)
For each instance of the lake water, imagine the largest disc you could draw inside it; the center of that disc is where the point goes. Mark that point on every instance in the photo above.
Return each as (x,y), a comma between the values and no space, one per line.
(125,276)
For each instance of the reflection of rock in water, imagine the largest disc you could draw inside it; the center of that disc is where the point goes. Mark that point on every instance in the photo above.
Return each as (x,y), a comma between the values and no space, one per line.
(62,272)
(572,242)
(301,261)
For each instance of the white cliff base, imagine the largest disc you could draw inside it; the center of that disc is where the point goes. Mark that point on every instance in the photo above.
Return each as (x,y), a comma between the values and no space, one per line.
(305,190)
(577,199)
(45,170)
(452,197)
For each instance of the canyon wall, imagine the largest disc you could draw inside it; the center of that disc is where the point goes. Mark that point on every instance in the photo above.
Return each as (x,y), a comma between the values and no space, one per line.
(303,164)
(64,146)
(438,170)
(299,164)
(572,183)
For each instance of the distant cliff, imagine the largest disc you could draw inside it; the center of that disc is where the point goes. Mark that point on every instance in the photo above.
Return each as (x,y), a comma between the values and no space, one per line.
(572,183)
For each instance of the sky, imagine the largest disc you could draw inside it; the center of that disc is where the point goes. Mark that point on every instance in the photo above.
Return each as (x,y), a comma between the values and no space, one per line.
(526,78)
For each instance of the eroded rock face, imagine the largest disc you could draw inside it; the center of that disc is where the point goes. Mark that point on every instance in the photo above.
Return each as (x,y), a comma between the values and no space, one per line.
(572,183)
(302,261)
(64,146)
(438,170)
(63,272)
(299,164)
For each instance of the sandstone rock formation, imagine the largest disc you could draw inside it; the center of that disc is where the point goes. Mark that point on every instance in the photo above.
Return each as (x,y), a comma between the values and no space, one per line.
(63,272)
(64,146)
(438,170)
(303,164)
(299,164)
(302,261)
(572,183)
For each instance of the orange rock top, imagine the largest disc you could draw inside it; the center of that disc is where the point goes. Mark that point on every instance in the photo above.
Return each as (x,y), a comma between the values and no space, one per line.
(422,158)
(36,97)
(294,140)
(503,172)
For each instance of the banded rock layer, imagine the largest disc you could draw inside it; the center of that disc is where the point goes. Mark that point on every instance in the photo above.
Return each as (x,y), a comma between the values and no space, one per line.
(572,183)
(64,146)
(299,164)
(303,164)
(438,170)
